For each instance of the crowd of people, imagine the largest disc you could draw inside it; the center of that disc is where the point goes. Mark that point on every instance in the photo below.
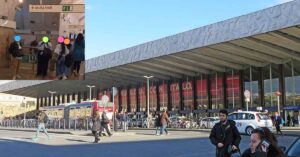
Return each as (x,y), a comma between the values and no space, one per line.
(65,59)
(224,135)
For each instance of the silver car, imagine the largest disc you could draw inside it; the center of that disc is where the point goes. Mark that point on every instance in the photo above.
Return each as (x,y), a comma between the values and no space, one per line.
(208,122)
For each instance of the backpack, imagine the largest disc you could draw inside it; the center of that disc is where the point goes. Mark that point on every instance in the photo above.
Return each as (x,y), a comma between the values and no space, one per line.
(14,50)
(47,53)
(46,118)
(68,60)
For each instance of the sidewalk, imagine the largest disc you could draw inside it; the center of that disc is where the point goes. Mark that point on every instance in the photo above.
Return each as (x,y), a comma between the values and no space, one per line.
(61,131)
(293,131)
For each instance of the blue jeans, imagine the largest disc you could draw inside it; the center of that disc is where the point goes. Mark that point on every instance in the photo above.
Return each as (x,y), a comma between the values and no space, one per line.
(61,68)
(157,128)
(163,128)
(40,127)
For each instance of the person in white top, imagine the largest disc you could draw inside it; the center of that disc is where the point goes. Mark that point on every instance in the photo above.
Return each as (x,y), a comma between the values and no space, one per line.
(62,71)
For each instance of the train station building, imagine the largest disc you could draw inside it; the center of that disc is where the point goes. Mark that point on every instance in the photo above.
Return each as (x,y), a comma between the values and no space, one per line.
(197,71)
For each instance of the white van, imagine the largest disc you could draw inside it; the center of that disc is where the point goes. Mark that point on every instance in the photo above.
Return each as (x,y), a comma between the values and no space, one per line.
(246,121)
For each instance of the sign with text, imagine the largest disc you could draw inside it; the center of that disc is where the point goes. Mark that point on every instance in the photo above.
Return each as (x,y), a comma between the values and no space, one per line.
(63,8)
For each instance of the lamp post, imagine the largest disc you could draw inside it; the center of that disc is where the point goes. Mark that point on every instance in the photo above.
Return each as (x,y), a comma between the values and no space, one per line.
(148,100)
(90,90)
(52,92)
(278,101)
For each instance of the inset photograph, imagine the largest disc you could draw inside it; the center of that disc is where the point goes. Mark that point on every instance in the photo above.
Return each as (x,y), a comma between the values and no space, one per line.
(42,39)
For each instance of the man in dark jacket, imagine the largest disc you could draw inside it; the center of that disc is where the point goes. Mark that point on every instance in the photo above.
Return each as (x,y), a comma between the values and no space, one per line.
(104,124)
(225,136)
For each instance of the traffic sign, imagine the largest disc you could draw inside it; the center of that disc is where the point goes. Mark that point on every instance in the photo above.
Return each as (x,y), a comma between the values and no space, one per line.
(105,98)
(115,91)
(247,93)
(63,8)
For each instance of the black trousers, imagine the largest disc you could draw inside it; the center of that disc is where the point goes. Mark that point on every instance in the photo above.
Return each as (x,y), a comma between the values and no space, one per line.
(222,152)
(96,134)
(76,66)
(42,65)
(104,126)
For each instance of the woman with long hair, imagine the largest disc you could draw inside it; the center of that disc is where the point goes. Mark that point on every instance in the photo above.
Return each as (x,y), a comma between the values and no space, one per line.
(263,143)
(78,53)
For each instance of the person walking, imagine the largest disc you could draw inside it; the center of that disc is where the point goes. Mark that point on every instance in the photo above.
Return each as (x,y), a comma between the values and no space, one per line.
(278,121)
(157,123)
(78,53)
(263,143)
(288,120)
(104,124)
(96,126)
(225,136)
(164,120)
(42,120)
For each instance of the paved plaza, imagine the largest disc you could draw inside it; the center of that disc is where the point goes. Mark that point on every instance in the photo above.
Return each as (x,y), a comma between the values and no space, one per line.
(130,144)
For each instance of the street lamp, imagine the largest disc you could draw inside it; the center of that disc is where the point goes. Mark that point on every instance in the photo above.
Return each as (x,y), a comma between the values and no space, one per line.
(90,90)
(52,92)
(148,100)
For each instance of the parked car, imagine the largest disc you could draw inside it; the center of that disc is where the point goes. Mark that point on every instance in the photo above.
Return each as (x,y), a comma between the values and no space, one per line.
(246,121)
(208,122)
(294,149)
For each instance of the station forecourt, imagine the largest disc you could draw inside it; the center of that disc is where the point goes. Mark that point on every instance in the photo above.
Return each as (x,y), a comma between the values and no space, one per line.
(198,71)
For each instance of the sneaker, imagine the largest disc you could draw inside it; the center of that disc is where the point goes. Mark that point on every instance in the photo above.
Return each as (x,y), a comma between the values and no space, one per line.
(35,139)
(64,78)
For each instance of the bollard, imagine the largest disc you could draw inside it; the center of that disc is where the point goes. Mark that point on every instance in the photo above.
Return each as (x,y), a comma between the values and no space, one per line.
(58,124)
(69,123)
(75,121)
(64,124)
(87,124)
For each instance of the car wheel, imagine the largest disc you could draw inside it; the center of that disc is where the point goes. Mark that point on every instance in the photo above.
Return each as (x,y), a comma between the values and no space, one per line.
(203,126)
(249,130)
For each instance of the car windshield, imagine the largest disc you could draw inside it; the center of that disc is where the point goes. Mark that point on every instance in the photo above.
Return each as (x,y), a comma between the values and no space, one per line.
(263,116)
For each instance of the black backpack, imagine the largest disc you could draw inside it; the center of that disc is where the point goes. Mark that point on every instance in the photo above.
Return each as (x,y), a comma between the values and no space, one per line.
(47,53)
(68,60)
(14,50)
(46,118)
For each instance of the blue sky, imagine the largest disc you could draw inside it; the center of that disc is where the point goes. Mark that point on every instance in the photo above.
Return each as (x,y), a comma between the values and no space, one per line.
(113,25)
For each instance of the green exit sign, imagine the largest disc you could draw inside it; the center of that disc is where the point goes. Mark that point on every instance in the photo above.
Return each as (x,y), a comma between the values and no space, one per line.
(67,8)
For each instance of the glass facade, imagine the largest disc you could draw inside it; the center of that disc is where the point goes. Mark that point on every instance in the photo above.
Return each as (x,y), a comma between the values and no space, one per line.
(254,79)
(174,92)
(187,88)
(250,77)
(124,102)
(152,97)
(163,95)
(202,96)
(142,99)
(133,103)
(233,89)
(216,91)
